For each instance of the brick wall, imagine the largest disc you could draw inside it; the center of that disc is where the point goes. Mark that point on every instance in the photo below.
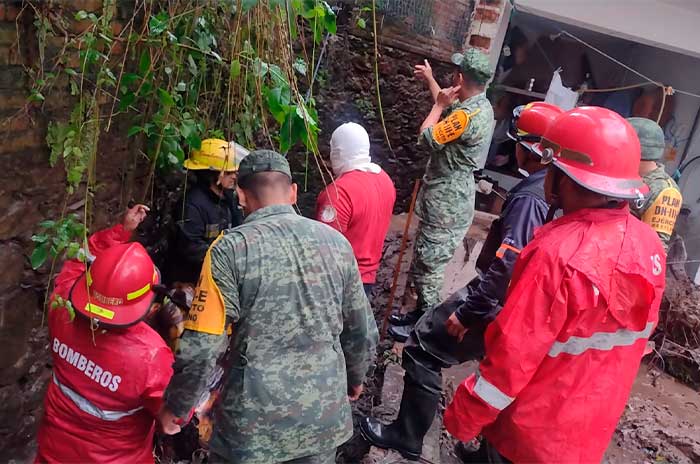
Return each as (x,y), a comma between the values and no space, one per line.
(485,23)
(438,28)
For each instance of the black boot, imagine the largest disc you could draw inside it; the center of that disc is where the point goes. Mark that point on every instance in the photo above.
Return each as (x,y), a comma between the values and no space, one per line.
(406,433)
(406,319)
(400,333)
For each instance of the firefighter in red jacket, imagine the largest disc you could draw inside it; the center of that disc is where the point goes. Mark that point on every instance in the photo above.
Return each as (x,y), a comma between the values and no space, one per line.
(110,368)
(584,298)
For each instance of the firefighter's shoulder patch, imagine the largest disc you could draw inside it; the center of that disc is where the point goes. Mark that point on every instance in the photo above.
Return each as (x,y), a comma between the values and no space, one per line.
(452,127)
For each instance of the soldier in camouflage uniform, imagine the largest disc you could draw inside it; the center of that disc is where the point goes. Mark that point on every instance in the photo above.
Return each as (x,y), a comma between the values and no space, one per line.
(301,330)
(660,207)
(446,202)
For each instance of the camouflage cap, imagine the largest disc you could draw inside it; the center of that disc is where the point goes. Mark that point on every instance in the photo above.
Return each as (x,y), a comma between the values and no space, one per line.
(474,63)
(651,138)
(263,161)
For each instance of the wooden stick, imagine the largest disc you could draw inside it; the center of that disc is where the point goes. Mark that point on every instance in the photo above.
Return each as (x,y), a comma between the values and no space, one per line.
(397,268)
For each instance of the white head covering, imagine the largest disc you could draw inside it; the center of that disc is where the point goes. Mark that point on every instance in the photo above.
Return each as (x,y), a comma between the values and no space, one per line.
(350,150)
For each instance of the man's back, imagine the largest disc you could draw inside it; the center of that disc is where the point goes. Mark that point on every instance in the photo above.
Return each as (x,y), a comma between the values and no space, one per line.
(359,205)
(302,330)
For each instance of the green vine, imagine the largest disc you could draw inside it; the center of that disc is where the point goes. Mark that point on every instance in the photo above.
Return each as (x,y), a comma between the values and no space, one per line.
(178,71)
(58,238)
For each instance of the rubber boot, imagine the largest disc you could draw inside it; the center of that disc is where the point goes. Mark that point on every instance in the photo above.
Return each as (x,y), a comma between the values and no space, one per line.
(406,433)
(400,334)
(406,319)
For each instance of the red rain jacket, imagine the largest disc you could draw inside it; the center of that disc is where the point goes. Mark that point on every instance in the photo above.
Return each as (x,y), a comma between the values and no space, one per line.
(123,372)
(563,353)
(359,205)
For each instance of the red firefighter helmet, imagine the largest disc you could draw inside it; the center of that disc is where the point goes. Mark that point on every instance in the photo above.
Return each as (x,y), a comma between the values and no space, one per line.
(529,122)
(598,149)
(117,289)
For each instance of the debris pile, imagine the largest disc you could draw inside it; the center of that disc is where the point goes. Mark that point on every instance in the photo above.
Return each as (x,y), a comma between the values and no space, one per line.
(677,338)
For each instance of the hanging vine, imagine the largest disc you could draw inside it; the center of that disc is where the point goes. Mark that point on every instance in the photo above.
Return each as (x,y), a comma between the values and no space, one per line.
(178,71)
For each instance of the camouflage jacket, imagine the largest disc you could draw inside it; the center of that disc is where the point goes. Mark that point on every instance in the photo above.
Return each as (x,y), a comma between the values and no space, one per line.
(302,330)
(447,195)
(660,207)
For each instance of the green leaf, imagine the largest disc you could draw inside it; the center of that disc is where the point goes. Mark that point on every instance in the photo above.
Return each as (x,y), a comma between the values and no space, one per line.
(165,98)
(39,256)
(235,70)
(248,4)
(71,311)
(192,66)
(145,62)
(126,101)
(194,141)
(133,130)
(303,114)
(72,250)
(81,15)
(274,104)
(158,24)
(181,86)
(36,96)
(299,66)
(329,18)
(111,75)
(39,239)
(361,23)
(71,72)
(260,68)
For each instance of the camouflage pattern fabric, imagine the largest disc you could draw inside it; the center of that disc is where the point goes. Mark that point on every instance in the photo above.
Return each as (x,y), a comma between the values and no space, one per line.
(445,205)
(302,331)
(651,138)
(321,458)
(474,63)
(657,181)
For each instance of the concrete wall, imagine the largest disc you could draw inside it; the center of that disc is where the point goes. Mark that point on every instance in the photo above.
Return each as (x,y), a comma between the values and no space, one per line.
(668,24)
(680,72)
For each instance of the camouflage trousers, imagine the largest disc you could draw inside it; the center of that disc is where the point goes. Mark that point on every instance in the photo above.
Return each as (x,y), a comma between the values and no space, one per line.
(433,249)
(326,457)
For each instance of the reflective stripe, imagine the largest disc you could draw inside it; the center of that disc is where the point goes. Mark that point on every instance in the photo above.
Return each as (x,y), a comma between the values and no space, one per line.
(490,393)
(135,294)
(86,406)
(100,311)
(500,253)
(604,341)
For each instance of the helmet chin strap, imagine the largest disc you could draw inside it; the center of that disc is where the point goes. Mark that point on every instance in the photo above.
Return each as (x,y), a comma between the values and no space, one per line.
(551,212)
(556,203)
